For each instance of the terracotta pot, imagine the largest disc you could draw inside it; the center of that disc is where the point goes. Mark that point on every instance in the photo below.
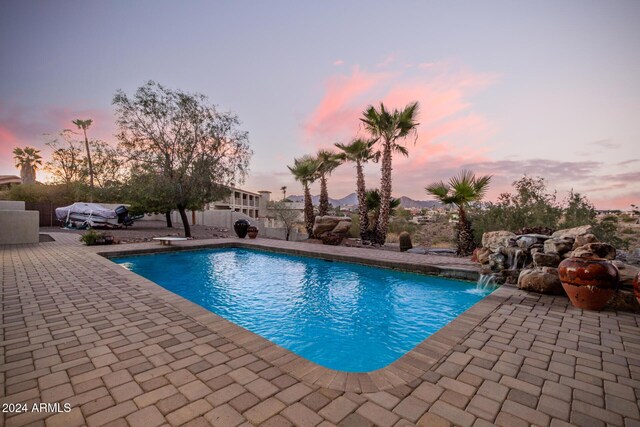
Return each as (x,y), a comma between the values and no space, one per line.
(636,287)
(589,282)
(252,232)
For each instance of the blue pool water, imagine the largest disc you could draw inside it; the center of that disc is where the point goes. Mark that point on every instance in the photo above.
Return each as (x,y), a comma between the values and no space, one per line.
(342,316)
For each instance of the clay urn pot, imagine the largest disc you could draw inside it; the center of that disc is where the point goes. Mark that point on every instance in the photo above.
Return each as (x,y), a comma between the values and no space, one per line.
(252,232)
(241,227)
(589,282)
(636,287)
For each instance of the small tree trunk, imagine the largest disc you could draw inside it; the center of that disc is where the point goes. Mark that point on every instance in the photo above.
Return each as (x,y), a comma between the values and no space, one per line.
(167,215)
(185,221)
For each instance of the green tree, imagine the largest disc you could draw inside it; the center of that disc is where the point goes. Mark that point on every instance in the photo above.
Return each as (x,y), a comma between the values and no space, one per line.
(360,151)
(389,127)
(373,200)
(461,190)
(284,192)
(28,160)
(287,216)
(305,170)
(84,125)
(196,149)
(327,163)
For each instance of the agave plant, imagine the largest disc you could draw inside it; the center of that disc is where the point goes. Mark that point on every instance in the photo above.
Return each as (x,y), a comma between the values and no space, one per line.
(461,190)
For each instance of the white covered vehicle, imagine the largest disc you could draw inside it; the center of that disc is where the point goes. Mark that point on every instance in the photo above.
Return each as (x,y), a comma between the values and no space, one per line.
(90,215)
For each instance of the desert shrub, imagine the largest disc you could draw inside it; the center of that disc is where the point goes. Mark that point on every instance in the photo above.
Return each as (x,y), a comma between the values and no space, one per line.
(354,231)
(91,237)
(628,231)
(398,225)
(404,239)
(62,194)
(533,206)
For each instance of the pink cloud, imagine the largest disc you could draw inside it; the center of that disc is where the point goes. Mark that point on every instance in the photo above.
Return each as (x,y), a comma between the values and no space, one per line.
(448,124)
(338,62)
(20,126)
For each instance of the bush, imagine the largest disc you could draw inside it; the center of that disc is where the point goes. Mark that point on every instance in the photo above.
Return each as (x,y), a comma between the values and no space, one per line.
(405,241)
(62,194)
(398,225)
(533,207)
(92,237)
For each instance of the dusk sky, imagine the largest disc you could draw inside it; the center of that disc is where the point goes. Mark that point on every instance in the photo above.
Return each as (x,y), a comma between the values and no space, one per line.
(549,88)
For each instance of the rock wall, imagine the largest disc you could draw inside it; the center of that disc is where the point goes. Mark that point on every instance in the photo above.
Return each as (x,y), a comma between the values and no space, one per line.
(531,260)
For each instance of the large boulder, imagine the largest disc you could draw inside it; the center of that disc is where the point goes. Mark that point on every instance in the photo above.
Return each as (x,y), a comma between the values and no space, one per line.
(342,227)
(541,259)
(558,245)
(543,280)
(599,250)
(584,239)
(497,262)
(482,255)
(338,225)
(572,232)
(526,241)
(496,239)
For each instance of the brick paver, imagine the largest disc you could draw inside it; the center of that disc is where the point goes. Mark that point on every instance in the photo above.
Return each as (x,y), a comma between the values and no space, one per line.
(120,350)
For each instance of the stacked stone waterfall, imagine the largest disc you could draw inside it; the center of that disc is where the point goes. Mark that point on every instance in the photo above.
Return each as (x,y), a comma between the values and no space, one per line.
(531,260)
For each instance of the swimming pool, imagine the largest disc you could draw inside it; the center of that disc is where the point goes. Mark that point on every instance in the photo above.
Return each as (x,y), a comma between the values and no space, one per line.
(342,316)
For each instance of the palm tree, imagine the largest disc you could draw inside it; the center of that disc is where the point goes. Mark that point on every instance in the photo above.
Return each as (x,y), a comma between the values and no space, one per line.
(373,202)
(327,162)
(284,192)
(360,151)
(305,170)
(27,159)
(84,125)
(461,190)
(388,127)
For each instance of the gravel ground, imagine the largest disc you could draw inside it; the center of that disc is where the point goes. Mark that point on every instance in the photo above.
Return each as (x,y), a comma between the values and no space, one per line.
(144,231)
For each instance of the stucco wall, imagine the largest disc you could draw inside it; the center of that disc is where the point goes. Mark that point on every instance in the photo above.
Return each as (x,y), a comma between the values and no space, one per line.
(11,205)
(19,226)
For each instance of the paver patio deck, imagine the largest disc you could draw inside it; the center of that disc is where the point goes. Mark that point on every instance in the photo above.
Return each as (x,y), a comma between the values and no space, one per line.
(78,329)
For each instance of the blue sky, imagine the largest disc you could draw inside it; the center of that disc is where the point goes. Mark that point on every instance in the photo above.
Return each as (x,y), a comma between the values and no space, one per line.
(546,88)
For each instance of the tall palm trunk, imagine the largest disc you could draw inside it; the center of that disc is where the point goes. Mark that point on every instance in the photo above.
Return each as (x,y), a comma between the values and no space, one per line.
(466,243)
(86,146)
(308,211)
(362,202)
(385,195)
(323,208)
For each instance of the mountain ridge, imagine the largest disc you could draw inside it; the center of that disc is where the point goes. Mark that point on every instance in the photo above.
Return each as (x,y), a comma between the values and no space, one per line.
(352,199)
